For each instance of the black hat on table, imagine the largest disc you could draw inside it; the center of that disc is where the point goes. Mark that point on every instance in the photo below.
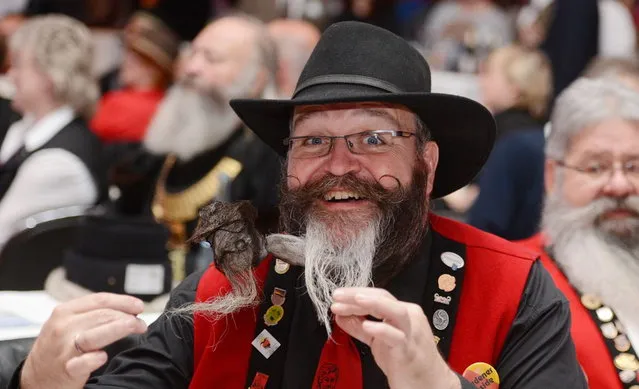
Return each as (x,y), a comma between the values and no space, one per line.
(359,62)
(117,254)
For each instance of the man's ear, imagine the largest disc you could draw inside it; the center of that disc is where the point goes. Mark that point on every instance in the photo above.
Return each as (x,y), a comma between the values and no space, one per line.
(431,158)
(549,175)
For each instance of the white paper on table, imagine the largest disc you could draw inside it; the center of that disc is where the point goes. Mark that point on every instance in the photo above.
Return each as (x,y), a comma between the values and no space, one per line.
(22,314)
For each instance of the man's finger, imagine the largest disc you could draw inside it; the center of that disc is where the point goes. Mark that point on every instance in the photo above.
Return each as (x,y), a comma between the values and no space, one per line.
(384,332)
(98,317)
(82,366)
(99,337)
(118,302)
(390,310)
(344,309)
(346,295)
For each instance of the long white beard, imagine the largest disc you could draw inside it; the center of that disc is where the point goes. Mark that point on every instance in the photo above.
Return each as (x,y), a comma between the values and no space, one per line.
(189,122)
(194,118)
(337,262)
(592,258)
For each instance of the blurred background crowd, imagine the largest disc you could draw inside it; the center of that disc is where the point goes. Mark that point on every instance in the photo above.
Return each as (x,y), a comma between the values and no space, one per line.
(115,127)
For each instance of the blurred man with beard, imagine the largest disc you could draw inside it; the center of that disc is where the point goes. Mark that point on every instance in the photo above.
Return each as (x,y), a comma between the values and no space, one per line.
(210,154)
(375,292)
(590,225)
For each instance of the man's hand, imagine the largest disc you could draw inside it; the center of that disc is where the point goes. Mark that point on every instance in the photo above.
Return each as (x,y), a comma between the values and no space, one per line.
(70,344)
(402,343)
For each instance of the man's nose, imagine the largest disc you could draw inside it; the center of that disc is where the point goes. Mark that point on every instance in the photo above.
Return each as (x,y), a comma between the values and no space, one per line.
(341,160)
(192,66)
(619,185)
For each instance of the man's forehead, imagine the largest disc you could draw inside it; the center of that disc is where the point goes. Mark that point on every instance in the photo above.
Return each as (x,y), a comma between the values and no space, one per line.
(613,134)
(394,112)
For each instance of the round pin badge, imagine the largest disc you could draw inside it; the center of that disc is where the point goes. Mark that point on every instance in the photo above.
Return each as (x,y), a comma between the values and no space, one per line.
(446,282)
(622,343)
(482,375)
(627,376)
(281,267)
(441,319)
(273,315)
(590,302)
(604,314)
(609,330)
(452,260)
(625,361)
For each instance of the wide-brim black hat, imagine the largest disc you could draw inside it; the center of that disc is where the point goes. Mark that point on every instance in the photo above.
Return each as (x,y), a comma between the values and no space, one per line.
(359,62)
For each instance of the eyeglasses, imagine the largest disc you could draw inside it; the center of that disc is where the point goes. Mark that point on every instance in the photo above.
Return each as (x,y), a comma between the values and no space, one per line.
(602,172)
(366,142)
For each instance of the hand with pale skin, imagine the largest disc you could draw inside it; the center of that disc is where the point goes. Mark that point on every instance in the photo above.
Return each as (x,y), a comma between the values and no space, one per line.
(402,343)
(69,347)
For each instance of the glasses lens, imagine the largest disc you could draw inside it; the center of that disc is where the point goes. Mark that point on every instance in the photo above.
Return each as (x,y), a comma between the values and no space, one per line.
(371,142)
(309,147)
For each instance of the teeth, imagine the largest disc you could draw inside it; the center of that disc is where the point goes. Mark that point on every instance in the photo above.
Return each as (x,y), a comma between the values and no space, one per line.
(341,195)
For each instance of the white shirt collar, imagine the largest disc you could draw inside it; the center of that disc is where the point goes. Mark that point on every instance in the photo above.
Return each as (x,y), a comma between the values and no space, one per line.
(38,133)
(34,134)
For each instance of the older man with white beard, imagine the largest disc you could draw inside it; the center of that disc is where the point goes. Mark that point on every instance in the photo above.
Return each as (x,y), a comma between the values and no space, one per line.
(210,154)
(366,289)
(590,225)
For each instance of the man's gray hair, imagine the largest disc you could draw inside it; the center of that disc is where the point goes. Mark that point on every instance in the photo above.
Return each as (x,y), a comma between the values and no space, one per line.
(63,49)
(585,103)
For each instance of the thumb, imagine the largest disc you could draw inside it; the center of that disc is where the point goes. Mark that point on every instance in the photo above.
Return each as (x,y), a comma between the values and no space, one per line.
(80,368)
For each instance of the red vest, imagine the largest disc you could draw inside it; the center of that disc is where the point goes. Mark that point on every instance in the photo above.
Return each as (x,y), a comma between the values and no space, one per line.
(592,352)
(495,277)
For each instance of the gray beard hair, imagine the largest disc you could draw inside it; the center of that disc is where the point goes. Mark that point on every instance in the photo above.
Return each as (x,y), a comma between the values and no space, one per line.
(330,262)
(193,118)
(333,262)
(243,295)
(188,123)
(592,255)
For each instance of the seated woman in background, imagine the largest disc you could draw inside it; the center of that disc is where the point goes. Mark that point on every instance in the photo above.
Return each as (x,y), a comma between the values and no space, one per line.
(516,86)
(151,48)
(50,159)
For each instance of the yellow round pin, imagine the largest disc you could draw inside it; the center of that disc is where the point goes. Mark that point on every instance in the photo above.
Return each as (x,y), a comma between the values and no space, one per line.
(482,375)
(273,315)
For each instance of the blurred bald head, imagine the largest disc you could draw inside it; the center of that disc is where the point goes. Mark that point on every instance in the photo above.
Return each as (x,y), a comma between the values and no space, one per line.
(295,41)
(233,57)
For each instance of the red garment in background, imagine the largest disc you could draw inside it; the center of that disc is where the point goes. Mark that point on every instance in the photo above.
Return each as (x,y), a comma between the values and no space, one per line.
(124,115)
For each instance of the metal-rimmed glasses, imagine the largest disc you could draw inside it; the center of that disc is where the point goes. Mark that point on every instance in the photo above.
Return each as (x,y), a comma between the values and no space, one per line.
(365,142)
(602,172)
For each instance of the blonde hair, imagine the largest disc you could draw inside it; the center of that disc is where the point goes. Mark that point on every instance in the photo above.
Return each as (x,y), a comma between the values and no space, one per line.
(530,72)
(62,48)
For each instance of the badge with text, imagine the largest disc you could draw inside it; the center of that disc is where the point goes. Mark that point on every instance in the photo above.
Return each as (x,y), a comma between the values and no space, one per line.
(281,267)
(452,260)
(442,299)
(446,282)
(266,344)
(482,376)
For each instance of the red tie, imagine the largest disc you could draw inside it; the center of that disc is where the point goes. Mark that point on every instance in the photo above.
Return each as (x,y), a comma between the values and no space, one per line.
(339,366)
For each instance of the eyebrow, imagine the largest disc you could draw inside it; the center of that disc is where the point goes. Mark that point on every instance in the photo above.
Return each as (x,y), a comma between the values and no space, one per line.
(376,112)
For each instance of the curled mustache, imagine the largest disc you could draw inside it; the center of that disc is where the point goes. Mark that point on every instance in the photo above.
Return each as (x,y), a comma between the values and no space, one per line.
(296,201)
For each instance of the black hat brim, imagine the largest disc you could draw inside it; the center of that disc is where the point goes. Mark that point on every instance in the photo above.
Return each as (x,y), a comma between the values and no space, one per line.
(463,129)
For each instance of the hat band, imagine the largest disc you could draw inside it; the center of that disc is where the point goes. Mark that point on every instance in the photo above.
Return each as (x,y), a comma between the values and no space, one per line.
(348,79)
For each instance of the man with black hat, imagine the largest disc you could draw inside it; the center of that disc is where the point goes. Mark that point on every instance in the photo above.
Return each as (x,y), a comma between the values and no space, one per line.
(378,292)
